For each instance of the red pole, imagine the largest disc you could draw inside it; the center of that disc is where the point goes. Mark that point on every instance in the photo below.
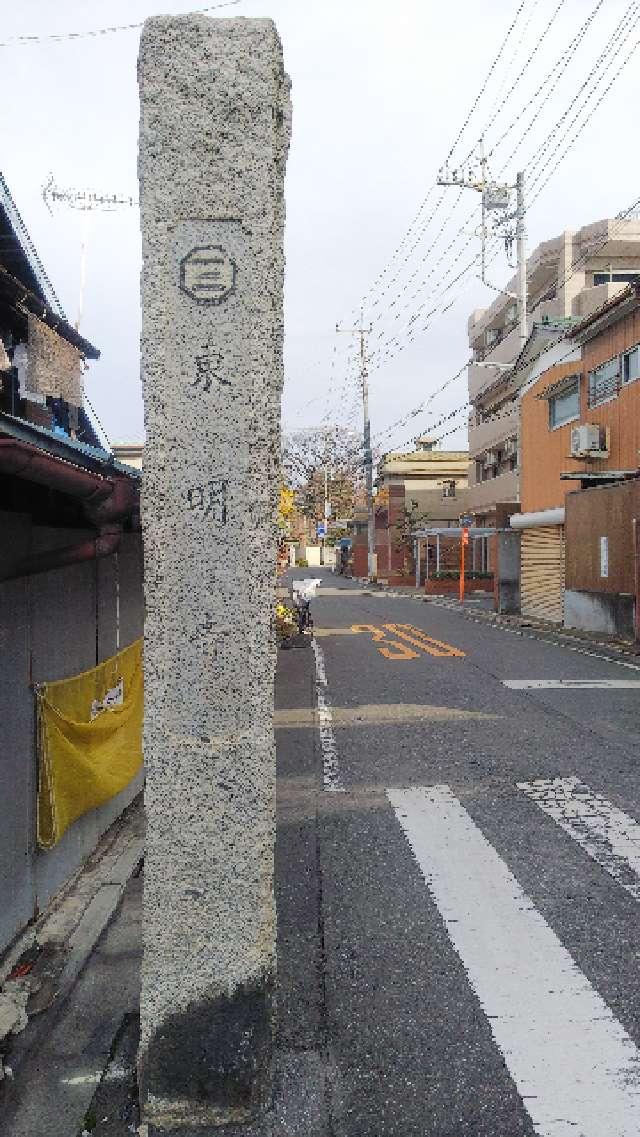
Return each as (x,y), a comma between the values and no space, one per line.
(464,541)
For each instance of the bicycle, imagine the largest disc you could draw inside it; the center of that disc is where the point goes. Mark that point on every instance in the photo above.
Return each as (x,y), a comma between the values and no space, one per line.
(303,613)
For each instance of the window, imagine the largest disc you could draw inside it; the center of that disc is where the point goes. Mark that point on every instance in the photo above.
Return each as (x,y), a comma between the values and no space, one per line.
(604,381)
(449,489)
(616,277)
(631,365)
(565,406)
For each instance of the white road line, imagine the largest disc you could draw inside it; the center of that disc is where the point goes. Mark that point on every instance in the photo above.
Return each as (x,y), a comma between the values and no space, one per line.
(575,1067)
(609,836)
(571,684)
(540,639)
(332,782)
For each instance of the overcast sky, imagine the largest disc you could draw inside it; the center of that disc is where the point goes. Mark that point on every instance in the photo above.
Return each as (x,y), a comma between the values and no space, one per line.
(380,91)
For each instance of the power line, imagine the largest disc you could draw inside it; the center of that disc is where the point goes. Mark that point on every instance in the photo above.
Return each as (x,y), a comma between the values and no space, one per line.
(425,200)
(486,81)
(512,62)
(584,95)
(581,109)
(560,66)
(561,63)
(521,72)
(389,345)
(58,37)
(420,409)
(578,261)
(493,116)
(594,72)
(550,81)
(393,344)
(98,420)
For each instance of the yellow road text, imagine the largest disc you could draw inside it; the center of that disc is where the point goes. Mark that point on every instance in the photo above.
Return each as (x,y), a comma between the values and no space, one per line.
(404,639)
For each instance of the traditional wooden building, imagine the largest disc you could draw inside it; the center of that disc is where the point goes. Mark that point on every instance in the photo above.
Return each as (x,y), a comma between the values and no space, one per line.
(70,565)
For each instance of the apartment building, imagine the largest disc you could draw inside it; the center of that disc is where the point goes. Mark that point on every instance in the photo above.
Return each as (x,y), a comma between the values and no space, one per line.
(580,477)
(568,278)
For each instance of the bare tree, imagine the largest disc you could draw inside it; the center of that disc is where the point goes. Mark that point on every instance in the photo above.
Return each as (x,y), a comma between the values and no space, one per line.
(308,454)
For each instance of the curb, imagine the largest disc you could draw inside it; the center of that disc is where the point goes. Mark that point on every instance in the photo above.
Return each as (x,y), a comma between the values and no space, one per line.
(628,656)
(54,940)
(624,653)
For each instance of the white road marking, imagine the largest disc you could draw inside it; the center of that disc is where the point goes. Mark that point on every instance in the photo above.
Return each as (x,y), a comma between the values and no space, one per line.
(609,836)
(331,779)
(571,684)
(528,636)
(575,1067)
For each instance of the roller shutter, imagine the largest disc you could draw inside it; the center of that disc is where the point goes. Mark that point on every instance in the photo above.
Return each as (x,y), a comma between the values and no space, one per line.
(542,573)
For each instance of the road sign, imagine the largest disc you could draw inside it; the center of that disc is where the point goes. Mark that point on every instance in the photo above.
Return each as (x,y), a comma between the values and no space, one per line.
(466,521)
(321,530)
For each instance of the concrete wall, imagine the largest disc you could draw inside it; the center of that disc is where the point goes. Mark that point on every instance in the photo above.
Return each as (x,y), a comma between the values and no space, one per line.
(598,612)
(312,555)
(52,626)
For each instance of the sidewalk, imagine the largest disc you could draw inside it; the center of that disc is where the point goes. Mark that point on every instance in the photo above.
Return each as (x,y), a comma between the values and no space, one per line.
(80,1073)
(42,1017)
(74,1064)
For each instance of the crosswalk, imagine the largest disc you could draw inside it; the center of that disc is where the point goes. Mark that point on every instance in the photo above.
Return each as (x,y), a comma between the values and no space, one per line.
(606,833)
(575,1067)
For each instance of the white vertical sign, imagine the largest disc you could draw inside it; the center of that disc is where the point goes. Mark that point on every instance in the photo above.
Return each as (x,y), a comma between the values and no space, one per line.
(604,556)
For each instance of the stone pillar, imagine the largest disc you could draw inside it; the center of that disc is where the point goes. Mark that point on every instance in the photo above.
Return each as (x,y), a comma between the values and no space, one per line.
(214,132)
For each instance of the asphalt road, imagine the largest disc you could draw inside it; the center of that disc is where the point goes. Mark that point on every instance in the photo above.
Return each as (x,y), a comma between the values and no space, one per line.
(459,876)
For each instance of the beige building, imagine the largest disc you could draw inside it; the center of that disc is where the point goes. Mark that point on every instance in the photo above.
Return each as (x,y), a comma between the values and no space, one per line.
(568,278)
(435,480)
(129,452)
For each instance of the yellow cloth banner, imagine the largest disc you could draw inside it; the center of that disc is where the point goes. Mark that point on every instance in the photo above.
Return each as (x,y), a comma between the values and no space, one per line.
(89,740)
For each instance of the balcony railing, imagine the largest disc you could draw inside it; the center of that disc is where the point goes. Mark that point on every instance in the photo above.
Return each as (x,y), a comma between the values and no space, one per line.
(600,390)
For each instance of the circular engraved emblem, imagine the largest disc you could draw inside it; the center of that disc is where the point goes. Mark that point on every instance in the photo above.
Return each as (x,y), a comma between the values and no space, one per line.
(208,274)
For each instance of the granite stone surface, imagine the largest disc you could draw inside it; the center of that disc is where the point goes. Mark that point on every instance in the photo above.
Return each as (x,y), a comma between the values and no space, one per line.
(214,133)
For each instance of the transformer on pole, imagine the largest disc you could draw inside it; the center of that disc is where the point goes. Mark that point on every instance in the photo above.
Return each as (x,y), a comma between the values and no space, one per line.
(497,196)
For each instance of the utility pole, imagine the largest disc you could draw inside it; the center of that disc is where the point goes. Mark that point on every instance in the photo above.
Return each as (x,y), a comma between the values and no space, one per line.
(84,201)
(521,254)
(361,331)
(497,196)
(326,511)
(327,500)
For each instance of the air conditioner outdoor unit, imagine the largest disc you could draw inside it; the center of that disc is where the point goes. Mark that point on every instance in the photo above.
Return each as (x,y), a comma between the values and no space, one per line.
(586,439)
